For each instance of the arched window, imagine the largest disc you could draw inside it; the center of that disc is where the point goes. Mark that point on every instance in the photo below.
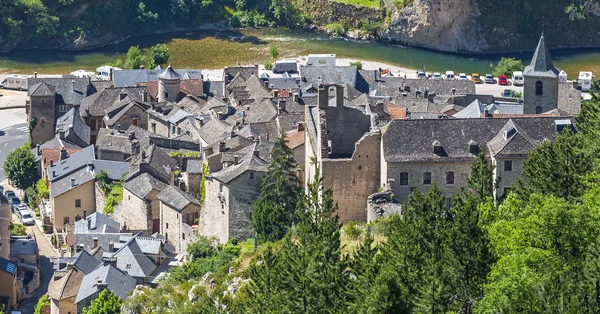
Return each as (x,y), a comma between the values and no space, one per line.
(403,178)
(426,178)
(539,88)
(450,177)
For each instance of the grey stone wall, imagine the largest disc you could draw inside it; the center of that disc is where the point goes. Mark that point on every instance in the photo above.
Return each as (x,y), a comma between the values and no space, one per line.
(244,191)
(354,179)
(507,179)
(438,170)
(132,212)
(214,215)
(112,155)
(134,112)
(192,182)
(548,100)
(172,225)
(162,128)
(99,197)
(42,108)
(345,126)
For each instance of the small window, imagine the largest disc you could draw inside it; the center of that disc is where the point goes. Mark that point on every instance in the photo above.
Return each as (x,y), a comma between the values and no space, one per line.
(474,149)
(251,175)
(43,100)
(183,236)
(539,88)
(508,165)
(539,110)
(166,225)
(166,95)
(77,203)
(450,177)
(403,178)
(426,178)
(153,127)
(66,220)
(134,121)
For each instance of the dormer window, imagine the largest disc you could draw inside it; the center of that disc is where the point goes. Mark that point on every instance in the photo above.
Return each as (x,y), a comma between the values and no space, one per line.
(437,148)
(473,147)
(509,133)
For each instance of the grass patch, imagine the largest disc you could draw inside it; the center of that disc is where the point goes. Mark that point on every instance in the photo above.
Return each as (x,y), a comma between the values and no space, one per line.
(364,3)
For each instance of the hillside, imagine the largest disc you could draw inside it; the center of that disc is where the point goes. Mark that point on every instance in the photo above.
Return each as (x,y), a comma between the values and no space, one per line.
(462,26)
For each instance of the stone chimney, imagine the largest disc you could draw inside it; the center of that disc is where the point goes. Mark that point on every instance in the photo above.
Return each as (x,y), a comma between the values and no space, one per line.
(73,84)
(131,135)
(34,74)
(61,134)
(90,165)
(256,153)
(135,147)
(236,159)
(143,154)
(89,222)
(300,127)
(95,245)
(72,182)
(51,163)
(221,147)
(111,246)
(63,154)
(118,128)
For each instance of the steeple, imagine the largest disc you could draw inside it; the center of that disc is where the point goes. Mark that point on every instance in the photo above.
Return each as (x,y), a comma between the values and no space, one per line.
(169,74)
(541,63)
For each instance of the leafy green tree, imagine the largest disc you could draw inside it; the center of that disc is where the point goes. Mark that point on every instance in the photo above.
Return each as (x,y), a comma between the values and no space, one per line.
(19,167)
(106,303)
(481,180)
(273,51)
(134,58)
(558,168)
(17,229)
(41,189)
(273,212)
(575,12)
(159,55)
(587,121)
(43,302)
(358,64)
(104,181)
(507,66)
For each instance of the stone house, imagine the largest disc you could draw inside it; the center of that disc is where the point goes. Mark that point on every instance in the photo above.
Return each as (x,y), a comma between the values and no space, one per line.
(104,277)
(179,213)
(8,283)
(96,231)
(418,153)
(50,98)
(230,193)
(71,127)
(129,257)
(126,112)
(93,108)
(140,208)
(341,141)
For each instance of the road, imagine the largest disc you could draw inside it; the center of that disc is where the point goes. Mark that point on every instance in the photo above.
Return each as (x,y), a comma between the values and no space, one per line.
(46,252)
(13,133)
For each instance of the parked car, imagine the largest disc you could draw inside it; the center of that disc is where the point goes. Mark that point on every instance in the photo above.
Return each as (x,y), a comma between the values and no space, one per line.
(421,74)
(462,76)
(437,76)
(508,93)
(502,80)
(26,218)
(449,75)
(15,201)
(18,208)
(475,78)
(489,79)
(518,78)
(9,194)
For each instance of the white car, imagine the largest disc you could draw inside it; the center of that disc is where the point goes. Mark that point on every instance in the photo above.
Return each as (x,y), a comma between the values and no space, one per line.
(462,76)
(450,75)
(437,76)
(26,218)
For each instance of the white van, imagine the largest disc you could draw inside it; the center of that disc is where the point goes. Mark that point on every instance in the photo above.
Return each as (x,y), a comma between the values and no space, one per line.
(82,74)
(103,73)
(517,78)
(585,81)
(14,81)
(320,60)
(449,75)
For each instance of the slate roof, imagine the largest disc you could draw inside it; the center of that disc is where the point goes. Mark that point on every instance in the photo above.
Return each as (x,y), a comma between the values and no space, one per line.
(176,198)
(194,166)
(56,142)
(266,131)
(519,144)
(411,140)
(569,99)
(261,111)
(99,223)
(41,89)
(143,184)
(169,74)
(149,245)
(159,161)
(74,128)
(132,260)
(541,64)
(213,88)
(114,280)
(249,162)
(67,286)
(244,71)
(130,78)
(214,130)
(85,262)
(120,108)
(82,174)
(69,90)
(20,247)
(98,103)
(393,86)
(329,75)
(64,184)
(474,110)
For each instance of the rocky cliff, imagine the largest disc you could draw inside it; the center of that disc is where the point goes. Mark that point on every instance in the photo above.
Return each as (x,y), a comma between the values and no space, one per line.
(481,26)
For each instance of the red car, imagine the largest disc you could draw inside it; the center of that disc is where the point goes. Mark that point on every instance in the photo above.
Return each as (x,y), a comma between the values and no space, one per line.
(502,80)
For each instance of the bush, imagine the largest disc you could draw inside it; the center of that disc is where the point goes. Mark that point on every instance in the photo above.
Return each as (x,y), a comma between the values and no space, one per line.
(30,197)
(204,258)
(337,28)
(353,229)
(507,66)
(269,66)
(17,229)
(43,302)
(358,64)
(371,27)
(273,51)
(41,189)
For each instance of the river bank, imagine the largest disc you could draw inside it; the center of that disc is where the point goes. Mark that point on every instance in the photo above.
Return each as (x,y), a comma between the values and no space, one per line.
(217,49)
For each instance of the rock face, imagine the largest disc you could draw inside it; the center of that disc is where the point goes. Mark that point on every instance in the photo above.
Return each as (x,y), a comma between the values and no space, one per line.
(446,25)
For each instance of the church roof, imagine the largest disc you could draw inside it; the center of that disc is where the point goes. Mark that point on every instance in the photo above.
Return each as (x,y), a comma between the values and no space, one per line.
(541,64)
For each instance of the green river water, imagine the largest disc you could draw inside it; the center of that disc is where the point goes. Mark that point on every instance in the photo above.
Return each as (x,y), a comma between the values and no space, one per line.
(211,49)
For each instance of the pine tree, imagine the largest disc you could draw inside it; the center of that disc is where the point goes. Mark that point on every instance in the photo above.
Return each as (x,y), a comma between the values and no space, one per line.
(273,212)
(481,180)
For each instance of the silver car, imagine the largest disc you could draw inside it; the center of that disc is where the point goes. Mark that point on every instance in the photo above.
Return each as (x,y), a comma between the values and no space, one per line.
(26,218)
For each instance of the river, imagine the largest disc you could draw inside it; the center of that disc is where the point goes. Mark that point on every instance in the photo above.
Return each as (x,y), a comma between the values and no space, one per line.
(215,49)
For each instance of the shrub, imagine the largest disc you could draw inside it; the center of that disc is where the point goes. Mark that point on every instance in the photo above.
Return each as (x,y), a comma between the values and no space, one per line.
(273,51)
(41,189)
(353,229)
(337,28)
(17,229)
(269,66)
(358,64)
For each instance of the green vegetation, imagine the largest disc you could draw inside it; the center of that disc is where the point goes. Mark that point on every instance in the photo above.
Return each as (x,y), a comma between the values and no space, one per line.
(337,28)
(269,66)
(273,51)
(273,212)
(507,66)
(205,257)
(178,153)
(358,64)
(353,229)
(17,229)
(106,303)
(364,3)
(205,173)
(575,12)
(19,167)
(159,55)
(401,4)
(113,190)
(41,189)
(43,302)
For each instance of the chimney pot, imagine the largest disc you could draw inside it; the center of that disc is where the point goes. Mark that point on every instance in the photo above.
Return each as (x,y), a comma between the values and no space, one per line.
(236,159)
(300,127)
(143,154)
(131,135)
(37,147)
(73,84)
(72,182)
(118,127)
(84,213)
(51,163)
(89,222)
(111,246)
(34,74)
(221,147)
(63,154)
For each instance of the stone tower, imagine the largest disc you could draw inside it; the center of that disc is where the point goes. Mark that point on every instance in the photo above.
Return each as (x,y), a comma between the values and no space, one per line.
(168,85)
(540,91)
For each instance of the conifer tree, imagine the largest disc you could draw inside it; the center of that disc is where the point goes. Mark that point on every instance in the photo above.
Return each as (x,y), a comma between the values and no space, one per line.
(273,212)
(481,180)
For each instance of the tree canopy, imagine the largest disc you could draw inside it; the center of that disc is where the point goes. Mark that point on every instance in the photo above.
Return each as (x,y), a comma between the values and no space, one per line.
(507,66)
(106,303)
(20,168)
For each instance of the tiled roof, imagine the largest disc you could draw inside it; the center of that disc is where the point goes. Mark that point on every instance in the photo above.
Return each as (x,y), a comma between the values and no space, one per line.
(295,138)
(541,63)
(107,276)
(53,154)
(411,140)
(396,112)
(176,198)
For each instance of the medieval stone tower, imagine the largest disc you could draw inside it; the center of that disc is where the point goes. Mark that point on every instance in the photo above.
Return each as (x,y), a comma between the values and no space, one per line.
(540,92)
(168,85)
